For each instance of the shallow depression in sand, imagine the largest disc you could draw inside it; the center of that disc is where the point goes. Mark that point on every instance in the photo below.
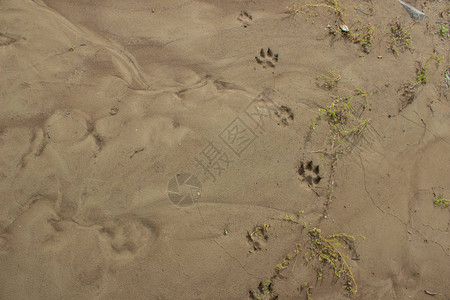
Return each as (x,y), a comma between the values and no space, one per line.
(129,235)
(67,126)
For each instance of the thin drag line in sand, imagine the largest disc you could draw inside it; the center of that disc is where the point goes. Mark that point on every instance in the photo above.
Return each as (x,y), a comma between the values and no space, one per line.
(425,127)
(374,203)
(371,198)
(436,229)
(442,247)
(250,205)
(223,248)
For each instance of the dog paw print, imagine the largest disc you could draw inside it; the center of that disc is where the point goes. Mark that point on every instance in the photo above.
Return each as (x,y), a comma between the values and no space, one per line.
(310,173)
(245,18)
(267,59)
(285,115)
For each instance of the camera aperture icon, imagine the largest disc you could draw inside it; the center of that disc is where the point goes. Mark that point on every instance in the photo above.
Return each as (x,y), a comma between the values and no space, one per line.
(184,189)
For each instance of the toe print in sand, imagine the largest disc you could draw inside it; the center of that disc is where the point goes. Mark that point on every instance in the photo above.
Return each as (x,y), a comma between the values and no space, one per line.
(309,173)
(267,59)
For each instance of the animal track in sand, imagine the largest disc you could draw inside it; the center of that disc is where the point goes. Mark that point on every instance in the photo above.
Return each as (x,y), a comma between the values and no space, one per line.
(310,173)
(267,59)
(285,115)
(245,18)
(130,235)
(258,237)
(69,126)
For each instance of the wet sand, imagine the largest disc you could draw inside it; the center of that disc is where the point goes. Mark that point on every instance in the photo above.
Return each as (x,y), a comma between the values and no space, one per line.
(169,150)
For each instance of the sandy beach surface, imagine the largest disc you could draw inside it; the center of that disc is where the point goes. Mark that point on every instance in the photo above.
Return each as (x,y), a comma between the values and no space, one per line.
(212,149)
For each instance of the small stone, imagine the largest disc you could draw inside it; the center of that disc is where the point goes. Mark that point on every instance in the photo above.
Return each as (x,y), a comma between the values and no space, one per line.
(113,111)
(344,28)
